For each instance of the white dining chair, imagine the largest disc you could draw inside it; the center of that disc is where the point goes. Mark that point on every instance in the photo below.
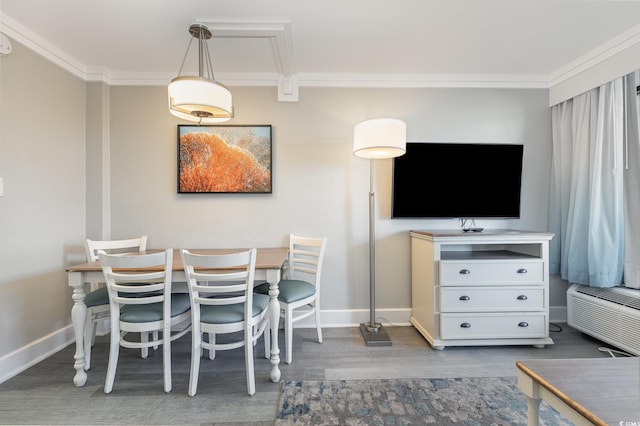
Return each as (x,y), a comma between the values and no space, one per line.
(223,302)
(299,295)
(141,301)
(97,300)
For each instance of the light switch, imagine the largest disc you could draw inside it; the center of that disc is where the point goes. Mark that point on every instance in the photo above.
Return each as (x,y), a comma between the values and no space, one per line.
(1,188)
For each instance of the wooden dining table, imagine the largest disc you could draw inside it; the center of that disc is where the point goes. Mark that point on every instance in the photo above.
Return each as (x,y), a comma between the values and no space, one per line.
(270,262)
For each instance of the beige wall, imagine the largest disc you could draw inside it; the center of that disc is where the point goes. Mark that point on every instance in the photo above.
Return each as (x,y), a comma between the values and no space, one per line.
(97,163)
(320,188)
(42,212)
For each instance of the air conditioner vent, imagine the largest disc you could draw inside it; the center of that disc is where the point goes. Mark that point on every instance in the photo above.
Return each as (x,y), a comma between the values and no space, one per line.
(614,295)
(608,314)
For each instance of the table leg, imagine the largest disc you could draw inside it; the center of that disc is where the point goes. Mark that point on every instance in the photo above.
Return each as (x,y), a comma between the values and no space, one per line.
(531,390)
(533,411)
(273,277)
(78,317)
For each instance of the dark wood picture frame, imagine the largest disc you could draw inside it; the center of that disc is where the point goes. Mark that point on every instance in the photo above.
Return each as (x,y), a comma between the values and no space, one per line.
(225,159)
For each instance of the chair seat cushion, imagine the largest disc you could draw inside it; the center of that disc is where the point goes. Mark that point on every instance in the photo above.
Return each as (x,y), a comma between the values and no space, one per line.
(180,303)
(227,314)
(100,296)
(97,298)
(290,290)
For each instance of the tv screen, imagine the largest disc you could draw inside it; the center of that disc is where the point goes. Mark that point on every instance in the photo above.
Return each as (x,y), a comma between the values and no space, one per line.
(457,180)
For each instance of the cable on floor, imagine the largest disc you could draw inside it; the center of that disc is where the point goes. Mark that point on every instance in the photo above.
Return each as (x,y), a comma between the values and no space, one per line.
(383,320)
(557,329)
(612,352)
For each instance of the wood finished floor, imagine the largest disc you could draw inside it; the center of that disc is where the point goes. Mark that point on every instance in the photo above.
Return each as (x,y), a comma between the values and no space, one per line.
(45,394)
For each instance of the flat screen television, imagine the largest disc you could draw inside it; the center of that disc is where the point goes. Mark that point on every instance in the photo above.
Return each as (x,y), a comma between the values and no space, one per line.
(457,180)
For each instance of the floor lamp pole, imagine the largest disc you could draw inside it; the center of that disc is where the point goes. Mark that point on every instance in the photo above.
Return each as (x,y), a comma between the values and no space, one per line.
(372,332)
(376,138)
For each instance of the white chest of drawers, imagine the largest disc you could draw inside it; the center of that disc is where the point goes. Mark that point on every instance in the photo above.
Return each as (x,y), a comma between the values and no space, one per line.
(480,288)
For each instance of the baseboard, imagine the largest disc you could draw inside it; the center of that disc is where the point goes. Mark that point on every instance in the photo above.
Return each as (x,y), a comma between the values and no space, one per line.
(19,360)
(558,314)
(23,358)
(334,318)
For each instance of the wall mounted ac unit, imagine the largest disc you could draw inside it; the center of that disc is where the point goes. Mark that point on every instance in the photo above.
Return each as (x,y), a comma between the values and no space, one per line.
(608,314)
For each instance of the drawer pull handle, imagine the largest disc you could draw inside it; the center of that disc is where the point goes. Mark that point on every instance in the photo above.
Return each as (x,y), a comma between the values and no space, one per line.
(522,271)
(465,325)
(464,272)
(523,324)
(464,298)
(522,297)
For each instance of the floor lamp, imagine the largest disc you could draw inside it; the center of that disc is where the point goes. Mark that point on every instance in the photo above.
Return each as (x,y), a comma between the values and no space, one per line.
(376,139)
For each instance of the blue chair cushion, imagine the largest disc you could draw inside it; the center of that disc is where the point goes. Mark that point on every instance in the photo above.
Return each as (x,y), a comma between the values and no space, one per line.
(290,290)
(180,303)
(100,297)
(97,298)
(227,314)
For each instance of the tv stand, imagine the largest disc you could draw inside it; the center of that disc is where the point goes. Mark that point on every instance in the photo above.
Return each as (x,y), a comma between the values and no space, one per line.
(480,288)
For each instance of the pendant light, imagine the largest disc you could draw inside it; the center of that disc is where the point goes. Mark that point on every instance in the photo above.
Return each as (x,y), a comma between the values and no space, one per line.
(200,98)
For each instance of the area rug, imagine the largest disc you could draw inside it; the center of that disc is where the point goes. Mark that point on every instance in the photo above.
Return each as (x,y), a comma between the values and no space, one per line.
(494,401)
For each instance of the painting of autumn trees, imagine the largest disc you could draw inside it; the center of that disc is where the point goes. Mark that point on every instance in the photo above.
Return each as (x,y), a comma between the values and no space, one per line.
(224,159)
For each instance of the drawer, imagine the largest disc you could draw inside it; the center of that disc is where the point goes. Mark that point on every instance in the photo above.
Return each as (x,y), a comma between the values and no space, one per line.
(507,272)
(469,299)
(492,326)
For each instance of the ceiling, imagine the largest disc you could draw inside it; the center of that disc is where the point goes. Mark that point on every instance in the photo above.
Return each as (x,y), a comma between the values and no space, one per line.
(509,43)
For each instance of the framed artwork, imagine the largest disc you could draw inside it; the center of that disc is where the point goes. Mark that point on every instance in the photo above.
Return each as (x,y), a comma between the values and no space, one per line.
(224,159)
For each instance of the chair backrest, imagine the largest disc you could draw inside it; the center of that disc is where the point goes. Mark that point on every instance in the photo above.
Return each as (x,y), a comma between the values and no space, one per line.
(130,245)
(306,255)
(138,279)
(220,279)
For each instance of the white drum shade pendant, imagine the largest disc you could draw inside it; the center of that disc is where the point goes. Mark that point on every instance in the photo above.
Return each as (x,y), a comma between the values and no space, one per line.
(380,138)
(200,98)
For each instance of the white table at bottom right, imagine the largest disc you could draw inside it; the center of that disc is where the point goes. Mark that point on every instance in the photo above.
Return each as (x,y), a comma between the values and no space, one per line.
(587,391)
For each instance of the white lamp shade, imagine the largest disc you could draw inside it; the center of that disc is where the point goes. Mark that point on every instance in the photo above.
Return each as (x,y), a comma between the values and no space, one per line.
(199,99)
(380,138)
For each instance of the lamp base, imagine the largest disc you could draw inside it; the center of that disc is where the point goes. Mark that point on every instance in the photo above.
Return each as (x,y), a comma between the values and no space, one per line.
(374,336)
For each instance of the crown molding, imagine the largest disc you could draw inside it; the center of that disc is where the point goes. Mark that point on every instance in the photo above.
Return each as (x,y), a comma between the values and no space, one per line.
(52,53)
(354,80)
(616,45)
(287,80)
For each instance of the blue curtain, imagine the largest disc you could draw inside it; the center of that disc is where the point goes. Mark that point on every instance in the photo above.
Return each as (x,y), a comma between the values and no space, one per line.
(632,182)
(586,206)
